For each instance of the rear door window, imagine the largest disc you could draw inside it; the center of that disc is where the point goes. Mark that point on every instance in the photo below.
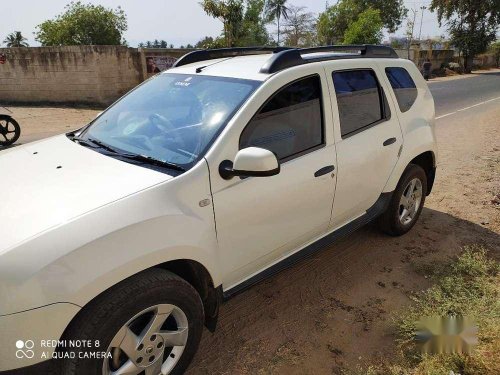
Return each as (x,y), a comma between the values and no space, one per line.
(404,87)
(360,99)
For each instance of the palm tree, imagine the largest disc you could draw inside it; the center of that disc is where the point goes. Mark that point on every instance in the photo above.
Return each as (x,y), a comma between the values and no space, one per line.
(16,39)
(275,9)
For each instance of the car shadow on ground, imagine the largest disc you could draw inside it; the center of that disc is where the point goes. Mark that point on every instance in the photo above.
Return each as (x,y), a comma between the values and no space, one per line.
(333,310)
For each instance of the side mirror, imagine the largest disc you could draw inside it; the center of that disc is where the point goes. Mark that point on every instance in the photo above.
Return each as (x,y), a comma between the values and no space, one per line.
(250,162)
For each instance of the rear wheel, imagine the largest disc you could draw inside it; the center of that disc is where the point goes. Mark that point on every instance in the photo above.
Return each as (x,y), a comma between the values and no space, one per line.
(149,324)
(407,202)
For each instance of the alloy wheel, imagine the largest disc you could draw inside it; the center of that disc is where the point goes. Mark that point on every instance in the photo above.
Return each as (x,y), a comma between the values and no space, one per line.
(410,201)
(151,343)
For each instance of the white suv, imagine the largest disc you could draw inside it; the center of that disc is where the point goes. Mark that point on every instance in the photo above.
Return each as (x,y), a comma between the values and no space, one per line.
(119,241)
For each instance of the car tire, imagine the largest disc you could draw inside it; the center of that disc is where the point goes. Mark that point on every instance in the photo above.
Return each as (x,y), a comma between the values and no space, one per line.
(5,120)
(395,221)
(133,305)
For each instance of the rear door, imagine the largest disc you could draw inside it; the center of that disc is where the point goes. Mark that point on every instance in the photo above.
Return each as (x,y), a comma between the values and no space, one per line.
(367,133)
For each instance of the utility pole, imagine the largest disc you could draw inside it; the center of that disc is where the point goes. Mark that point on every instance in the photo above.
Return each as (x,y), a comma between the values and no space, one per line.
(423,8)
(410,33)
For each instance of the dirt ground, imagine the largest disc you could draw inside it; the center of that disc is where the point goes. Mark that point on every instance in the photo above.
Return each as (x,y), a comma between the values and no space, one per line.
(333,311)
(42,122)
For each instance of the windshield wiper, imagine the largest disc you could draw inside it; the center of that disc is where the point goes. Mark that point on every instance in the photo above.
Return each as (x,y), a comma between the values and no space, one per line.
(136,157)
(94,143)
(150,160)
(103,146)
(84,142)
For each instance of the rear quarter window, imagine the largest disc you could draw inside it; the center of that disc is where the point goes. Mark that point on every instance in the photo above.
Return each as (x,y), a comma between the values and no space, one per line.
(404,87)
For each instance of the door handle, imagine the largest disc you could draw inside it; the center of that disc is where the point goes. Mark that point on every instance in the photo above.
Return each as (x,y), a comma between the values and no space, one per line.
(389,141)
(324,170)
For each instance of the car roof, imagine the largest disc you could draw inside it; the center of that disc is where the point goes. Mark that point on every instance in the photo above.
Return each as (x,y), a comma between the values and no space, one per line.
(246,67)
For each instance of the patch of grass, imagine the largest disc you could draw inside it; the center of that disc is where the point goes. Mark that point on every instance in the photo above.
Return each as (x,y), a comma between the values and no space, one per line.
(469,286)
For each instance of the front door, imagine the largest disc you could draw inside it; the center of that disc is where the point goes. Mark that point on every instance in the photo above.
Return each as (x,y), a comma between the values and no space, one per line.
(263,219)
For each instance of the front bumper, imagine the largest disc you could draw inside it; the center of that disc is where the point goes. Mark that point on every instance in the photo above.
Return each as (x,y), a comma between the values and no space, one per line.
(26,338)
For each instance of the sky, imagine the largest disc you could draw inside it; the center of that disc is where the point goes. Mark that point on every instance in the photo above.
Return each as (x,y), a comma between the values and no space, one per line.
(177,21)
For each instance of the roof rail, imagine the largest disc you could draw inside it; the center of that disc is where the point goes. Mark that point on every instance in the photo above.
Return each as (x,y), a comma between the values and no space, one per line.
(211,54)
(293,57)
(365,50)
(286,57)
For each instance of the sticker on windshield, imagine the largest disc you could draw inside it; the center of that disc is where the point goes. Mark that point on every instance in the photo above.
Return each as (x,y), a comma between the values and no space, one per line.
(184,83)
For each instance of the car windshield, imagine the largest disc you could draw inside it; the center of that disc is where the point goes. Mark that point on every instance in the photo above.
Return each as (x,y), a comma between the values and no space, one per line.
(172,118)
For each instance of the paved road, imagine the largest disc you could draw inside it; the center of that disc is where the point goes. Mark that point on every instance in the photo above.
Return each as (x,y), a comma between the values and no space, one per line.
(456,94)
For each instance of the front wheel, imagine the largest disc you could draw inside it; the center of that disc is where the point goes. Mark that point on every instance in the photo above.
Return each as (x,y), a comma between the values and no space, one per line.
(407,202)
(149,324)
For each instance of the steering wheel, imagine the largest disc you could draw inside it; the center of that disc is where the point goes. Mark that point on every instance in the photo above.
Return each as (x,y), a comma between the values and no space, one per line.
(144,142)
(161,122)
(166,126)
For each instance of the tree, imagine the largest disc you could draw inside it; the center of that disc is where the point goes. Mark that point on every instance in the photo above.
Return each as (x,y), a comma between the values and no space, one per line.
(253,31)
(84,24)
(392,12)
(275,9)
(495,49)
(209,42)
(410,27)
(244,23)
(16,39)
(299,27)
(230,13)
(334,22)
(367,29)
(472,24)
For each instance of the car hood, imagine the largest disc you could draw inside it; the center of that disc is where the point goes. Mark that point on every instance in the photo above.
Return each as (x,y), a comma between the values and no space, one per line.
(47,183)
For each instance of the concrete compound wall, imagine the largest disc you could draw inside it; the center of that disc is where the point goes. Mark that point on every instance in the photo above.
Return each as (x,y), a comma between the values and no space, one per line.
(485,61)
(437,57)
(74,74)
(441,57)
(101,74)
